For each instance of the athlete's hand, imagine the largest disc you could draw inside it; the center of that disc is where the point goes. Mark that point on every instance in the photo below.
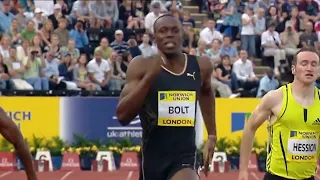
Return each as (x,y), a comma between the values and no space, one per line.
(243,175)
(208,153)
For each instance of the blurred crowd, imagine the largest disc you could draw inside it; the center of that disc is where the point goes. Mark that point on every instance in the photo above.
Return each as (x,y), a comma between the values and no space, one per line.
(66,44)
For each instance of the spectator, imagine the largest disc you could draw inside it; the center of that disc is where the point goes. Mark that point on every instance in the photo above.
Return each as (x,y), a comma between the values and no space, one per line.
(309,38)
(52,71)
(72,50)
(104,48)
(117,77)
(125,60)
(80,74)
(294,19)
(37,43)
(309,9)
(190,38)
(244,70)
(66,72)
(99,71)
(173,5)
(66,68)
(223,89)
(5,17)
(209,33)
(188,20)
(318,83)
(22,19)
(16,70)
(290,39)
(225,75)
(15,32)
(193,52)
(146,49)
(270,40)
(260,27)
(62,32)
(38,19)
(22,51)
(33,63)
(201,49)
(264,4)
(133,48)
(46,32)
(79,35)
(54,46)
(118,44)
(231,19)
(267,83)
(139,13)
(272,17)
(64,7)
(57,14)
(214,52)
(287,7)
(46,6)
(4,47)
(127,15)
(247,33)
(4,75)
(80,9)
(228,49)
(29,32)
(152,16)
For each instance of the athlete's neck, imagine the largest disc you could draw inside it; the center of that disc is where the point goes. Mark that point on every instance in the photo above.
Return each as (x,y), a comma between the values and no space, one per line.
(173,58)
(303,90)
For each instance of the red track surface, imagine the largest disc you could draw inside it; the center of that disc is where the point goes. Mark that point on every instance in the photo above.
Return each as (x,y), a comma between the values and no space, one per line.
(87,175)
(119,175)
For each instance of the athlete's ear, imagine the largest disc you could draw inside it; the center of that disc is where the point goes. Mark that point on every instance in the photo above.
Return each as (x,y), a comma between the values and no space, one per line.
(293,69)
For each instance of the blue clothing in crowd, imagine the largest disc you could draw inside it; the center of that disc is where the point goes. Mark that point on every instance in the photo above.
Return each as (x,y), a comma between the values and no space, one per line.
(80,38)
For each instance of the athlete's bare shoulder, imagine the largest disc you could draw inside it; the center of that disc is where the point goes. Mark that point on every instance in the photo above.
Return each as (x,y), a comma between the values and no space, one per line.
(138,67)
(272,99)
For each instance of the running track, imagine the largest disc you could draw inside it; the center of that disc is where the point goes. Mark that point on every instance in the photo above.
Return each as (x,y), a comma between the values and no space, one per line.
(119,175)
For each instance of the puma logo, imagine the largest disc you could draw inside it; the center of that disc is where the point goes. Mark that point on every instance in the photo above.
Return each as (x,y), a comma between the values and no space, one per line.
(191,75)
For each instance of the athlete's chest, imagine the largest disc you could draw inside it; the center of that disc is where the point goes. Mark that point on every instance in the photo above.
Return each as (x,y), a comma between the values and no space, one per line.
(174,99)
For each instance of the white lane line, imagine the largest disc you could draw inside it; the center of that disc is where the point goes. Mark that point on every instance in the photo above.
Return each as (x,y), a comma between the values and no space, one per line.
(66,175)
(5,174)
(255,176)
(129,175)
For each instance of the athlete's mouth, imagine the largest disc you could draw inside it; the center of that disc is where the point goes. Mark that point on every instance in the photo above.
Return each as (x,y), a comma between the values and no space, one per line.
(309,75)
(169,44)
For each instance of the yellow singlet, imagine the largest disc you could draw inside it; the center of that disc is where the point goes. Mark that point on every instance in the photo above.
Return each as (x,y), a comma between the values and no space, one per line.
(293,138)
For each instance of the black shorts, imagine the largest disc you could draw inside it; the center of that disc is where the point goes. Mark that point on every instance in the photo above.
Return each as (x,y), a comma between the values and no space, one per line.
(269,176)
(152,168)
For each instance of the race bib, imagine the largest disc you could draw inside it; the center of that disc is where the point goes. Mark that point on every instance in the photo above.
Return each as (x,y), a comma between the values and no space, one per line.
(303,146)
(176,108)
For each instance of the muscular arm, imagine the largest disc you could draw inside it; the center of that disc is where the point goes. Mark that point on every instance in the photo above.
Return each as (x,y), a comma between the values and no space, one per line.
(10,132)
(258,117)
(134,92)
(207,99)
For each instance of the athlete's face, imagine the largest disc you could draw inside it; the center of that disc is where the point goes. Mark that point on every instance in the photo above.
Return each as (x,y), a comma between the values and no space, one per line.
(307,68)
(168,35)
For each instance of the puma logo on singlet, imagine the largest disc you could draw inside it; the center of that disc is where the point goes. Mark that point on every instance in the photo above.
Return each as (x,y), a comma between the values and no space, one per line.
(191,75)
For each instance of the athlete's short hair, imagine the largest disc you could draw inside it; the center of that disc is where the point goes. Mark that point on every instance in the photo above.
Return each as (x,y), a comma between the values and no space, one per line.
(161,16)
(304,49)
